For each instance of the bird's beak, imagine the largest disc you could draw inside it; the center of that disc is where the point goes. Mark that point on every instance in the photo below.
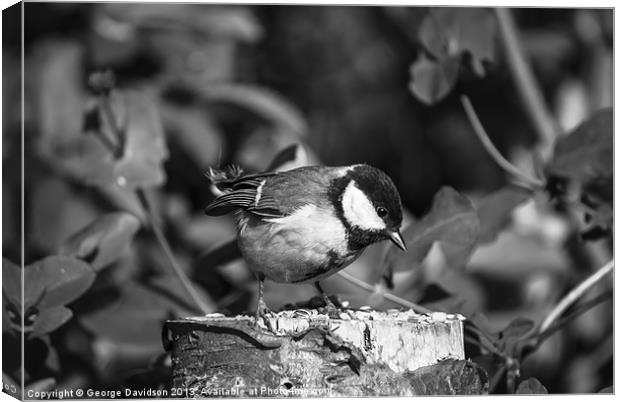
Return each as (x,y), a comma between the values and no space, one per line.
(397,239)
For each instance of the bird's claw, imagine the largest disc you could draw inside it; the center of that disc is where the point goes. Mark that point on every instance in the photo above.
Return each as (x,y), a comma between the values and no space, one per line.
(331,309)
(263,312)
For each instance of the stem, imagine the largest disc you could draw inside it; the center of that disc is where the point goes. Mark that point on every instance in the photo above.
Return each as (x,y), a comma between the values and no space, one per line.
(108,143)
(104,103)
(531,96)
(542,336)
(482,135)
(574,295)
(393,298)
(204,306)
(488,343)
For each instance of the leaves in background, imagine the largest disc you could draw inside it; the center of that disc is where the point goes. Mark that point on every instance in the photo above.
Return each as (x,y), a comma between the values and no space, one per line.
(582,169)
(56,95)
(452,222)
(292,157)
(56,281)
(447,34)
(50,319)
(531,386)
(193,43)
(11,282)
(194,130)
(142,153)
(49,284)
(510,338)
(56,211)
(451,30)
(218,21)
(587,152)
(495,209)
(432,80)
(103,240)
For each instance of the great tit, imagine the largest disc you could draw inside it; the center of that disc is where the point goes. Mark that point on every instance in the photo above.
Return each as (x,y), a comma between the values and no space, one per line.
(305,224)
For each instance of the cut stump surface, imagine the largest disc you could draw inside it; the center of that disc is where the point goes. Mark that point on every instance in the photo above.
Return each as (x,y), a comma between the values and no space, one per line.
(361,353)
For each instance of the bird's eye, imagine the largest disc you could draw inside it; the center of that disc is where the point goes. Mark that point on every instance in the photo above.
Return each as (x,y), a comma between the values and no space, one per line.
(381,211)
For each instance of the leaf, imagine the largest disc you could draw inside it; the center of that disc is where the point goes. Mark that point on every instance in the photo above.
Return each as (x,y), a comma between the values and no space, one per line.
(292,157)
(494,210)
(206,20)
(11,297)
(264,103)
(57,100)
(50,319)
(510,338)
(55,281)
(587,152)
(194,130)
(11,282)
(102,241)
(139,163)
(124,199)
(432,80)
(583,164)
(452,222)
(450,31)
(531,386)
(56,211)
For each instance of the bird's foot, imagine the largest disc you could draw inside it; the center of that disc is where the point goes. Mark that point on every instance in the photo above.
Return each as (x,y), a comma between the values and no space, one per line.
(331,309)
(263,313)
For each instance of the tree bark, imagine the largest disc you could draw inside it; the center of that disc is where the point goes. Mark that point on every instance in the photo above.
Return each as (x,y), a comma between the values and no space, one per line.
(308,354)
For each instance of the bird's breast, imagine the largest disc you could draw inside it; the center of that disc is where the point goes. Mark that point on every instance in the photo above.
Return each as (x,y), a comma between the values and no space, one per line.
(305,246)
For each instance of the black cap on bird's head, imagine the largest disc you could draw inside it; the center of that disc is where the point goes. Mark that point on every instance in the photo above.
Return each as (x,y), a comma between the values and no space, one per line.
(371,206)
(381,191)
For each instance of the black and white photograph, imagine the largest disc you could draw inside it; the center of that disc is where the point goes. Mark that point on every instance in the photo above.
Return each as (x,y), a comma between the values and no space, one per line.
(240,200)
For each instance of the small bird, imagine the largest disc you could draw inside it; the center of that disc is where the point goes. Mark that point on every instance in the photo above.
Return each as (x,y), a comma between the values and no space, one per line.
(305,224)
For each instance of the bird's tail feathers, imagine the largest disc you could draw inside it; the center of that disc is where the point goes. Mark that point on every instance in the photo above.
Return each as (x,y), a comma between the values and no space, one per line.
(222,179)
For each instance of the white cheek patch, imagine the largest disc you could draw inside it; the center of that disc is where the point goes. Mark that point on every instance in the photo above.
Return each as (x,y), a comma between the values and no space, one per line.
(358,210)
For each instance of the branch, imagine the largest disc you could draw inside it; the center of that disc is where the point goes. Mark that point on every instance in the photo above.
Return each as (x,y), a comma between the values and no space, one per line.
(482,135)
(574,295)
(531,96)
(393,298)
(202,304)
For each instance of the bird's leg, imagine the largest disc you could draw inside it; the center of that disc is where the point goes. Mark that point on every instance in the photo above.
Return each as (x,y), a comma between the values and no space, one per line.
(262,310)
(329,305)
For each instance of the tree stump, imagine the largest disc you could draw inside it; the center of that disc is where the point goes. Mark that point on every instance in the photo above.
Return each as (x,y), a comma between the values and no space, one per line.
(308,354)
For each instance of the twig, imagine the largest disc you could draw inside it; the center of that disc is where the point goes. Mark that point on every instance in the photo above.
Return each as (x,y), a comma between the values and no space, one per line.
(393,298)
(574,295)
(542,336)
(495,154)
(484,338)
(527,88)
(163,242)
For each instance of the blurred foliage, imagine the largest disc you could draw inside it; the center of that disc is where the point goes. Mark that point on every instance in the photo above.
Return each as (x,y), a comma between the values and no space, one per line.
(128,104)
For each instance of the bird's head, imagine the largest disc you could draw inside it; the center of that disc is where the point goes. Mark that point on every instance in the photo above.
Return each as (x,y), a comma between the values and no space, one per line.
(370,207)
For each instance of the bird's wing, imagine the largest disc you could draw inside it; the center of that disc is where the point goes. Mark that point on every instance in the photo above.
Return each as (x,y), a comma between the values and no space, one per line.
(245,193)
(268,195)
